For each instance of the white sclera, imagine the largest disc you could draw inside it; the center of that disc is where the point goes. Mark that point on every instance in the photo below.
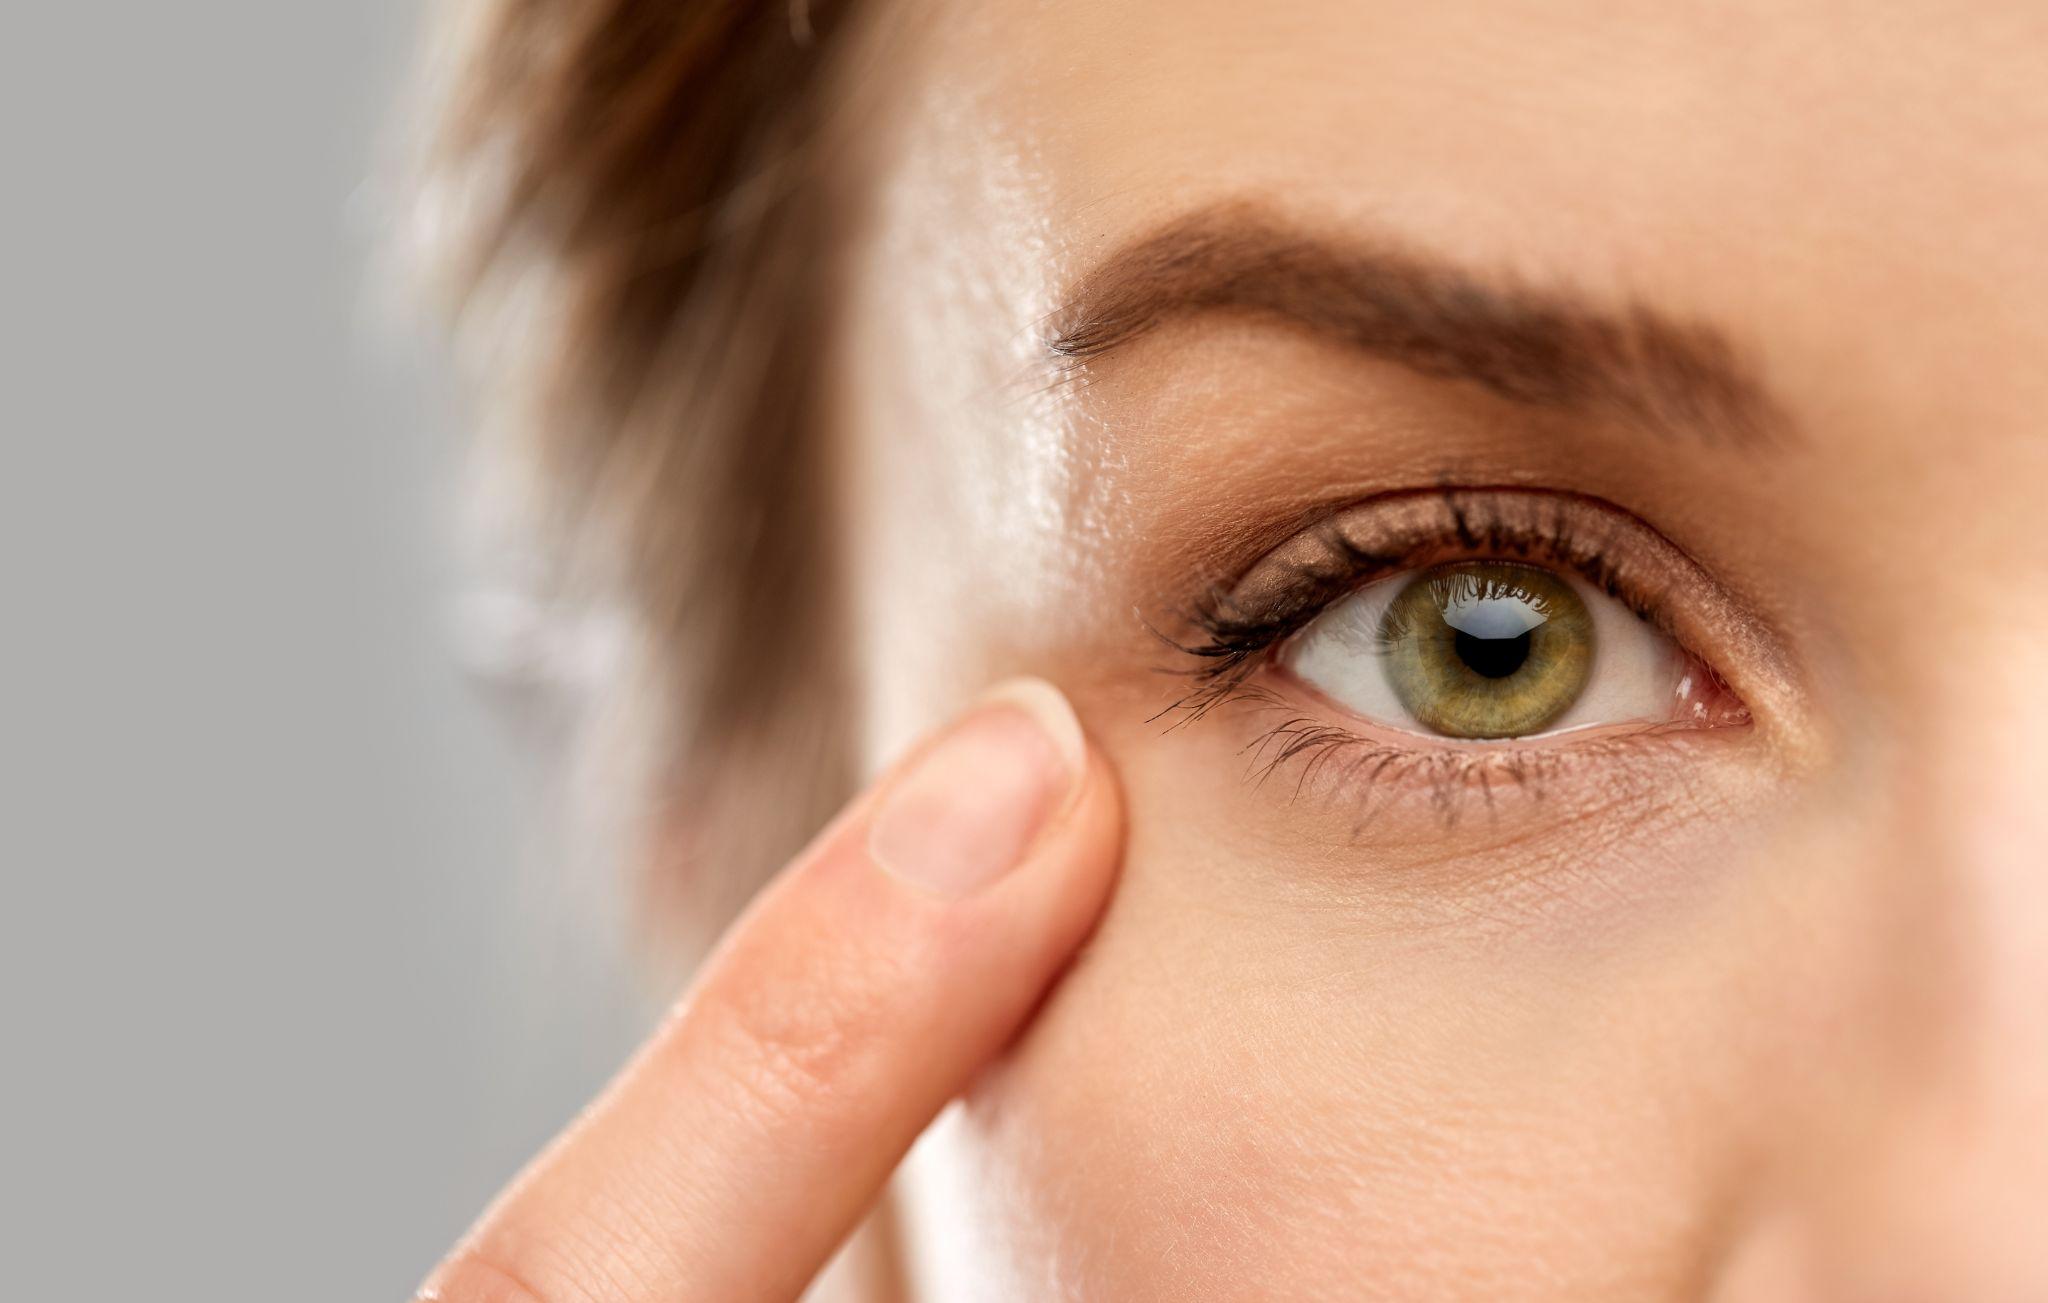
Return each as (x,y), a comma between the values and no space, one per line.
(1635,676)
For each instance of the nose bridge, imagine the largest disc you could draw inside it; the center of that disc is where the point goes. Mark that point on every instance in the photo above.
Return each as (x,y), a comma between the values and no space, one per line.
(1974,810)
(1937,1176)
(1955,637)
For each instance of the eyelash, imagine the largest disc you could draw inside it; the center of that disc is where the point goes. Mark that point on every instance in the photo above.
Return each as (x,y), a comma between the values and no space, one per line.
(1449,777)
(1231,642)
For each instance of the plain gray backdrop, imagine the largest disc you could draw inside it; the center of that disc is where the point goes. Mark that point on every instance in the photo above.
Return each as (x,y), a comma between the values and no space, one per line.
(292,982)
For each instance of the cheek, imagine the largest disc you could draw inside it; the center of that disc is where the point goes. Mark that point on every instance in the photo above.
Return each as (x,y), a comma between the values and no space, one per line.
(1231,1087)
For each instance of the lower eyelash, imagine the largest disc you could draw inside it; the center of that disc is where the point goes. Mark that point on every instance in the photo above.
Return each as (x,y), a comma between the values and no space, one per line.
(1327,756)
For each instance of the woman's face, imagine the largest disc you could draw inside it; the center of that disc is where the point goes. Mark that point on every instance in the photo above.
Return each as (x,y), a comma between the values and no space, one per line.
(1712,953)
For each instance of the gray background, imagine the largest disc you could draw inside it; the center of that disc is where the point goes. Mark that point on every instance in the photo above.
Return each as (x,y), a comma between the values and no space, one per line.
(292,980)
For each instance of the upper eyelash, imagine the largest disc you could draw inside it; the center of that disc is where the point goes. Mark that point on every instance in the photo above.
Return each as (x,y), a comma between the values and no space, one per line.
(1232,642)
(1395,626)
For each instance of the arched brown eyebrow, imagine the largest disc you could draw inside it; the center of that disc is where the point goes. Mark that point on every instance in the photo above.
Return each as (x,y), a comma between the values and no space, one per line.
(1540,347)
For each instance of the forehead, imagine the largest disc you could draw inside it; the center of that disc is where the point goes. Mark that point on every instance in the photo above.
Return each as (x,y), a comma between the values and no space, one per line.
(1818,148)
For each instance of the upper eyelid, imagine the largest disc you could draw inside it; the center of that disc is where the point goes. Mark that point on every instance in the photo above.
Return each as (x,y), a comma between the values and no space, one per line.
(1369,540)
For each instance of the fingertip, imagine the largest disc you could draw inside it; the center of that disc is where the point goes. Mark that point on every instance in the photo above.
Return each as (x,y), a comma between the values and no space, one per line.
(971,805)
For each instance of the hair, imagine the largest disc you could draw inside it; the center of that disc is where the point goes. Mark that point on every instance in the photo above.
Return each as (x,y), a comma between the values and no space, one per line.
(629,202)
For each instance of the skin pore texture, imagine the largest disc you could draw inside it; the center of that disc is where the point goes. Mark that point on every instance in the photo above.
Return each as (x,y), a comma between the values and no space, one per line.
(1748,1012)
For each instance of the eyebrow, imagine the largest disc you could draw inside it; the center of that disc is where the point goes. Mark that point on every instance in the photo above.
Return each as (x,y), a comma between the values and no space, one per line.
(1543,348)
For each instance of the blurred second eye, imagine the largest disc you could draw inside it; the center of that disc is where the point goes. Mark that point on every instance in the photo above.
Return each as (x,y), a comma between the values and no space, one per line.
(1491,650)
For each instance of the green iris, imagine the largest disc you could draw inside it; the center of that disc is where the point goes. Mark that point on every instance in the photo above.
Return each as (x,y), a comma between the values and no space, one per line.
(1487,649)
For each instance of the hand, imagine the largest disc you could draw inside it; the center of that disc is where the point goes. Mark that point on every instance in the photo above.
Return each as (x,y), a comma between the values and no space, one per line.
(859,993)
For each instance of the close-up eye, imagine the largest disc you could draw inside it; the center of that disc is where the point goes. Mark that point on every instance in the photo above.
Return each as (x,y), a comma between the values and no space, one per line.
(1491,650)
(1440,626)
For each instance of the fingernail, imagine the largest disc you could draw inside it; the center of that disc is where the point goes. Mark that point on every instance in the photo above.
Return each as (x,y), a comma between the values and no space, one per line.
(969,807)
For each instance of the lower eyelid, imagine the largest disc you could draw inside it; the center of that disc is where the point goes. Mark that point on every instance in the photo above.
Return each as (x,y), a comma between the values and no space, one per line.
(1290,743)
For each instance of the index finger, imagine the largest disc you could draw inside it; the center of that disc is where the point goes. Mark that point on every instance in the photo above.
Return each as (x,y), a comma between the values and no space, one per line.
(862,991)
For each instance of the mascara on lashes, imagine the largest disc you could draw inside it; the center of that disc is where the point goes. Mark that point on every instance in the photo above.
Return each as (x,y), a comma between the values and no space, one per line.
(1231,627)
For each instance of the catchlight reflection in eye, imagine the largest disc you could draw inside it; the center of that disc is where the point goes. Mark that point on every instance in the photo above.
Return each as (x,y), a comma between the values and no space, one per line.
(1489,650)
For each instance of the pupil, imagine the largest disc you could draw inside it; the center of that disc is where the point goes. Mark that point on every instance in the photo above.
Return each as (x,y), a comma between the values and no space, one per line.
(1493,658)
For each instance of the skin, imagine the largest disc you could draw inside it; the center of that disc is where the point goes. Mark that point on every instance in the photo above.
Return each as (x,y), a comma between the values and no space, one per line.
(1744,1013)
(1755,1021)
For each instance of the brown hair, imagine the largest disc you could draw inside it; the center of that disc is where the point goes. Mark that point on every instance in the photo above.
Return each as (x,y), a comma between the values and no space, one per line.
(639,225)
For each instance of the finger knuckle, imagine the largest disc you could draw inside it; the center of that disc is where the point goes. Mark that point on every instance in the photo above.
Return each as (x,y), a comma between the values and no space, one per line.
(803,1048)
(786,1060)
